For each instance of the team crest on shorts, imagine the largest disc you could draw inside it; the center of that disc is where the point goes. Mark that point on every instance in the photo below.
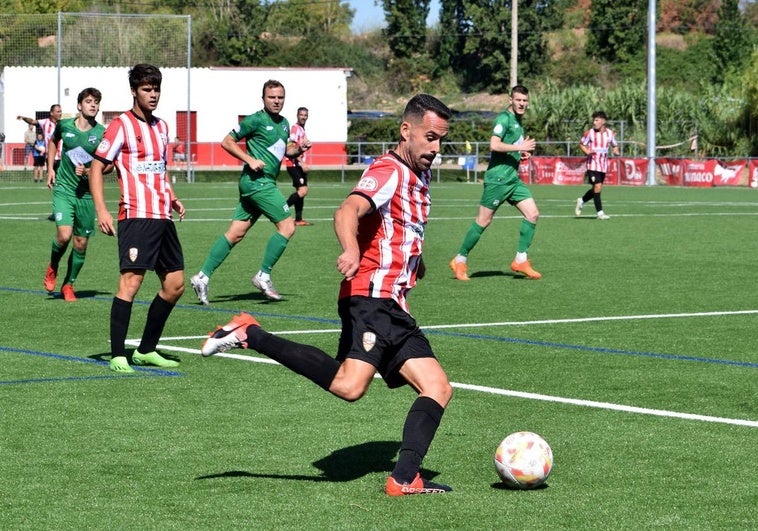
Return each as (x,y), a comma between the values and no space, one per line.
(133,252)
(369,340)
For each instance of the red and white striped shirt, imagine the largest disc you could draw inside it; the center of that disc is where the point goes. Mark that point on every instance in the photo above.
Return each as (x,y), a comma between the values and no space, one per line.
(138,150)
(297,133)
(600,144)
(48,129)
(391,237)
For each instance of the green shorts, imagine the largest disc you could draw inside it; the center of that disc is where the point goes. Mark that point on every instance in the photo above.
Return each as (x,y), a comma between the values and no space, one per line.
(260,197)
(496,193)
(76,212)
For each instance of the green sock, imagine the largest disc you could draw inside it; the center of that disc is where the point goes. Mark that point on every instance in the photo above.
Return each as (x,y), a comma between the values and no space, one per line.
(526,235)
(471,239)
(75,264)
(216,256)
(274,249)
(56,253)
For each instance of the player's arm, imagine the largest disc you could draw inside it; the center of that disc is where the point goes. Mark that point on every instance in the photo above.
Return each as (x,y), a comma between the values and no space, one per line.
(229,144)
(52,150)
(97,189)
(526,146)
(30,121)
(346,217)
(296,149)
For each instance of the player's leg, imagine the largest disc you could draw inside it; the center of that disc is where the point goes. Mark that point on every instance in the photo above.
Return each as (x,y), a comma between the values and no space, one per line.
(525,203)
(169,265)
(598,200)
(273,205)
(83,228)
(129,283)
(488,205)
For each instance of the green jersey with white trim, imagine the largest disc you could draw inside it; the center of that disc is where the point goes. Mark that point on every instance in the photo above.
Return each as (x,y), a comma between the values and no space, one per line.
(505,165)
(77,148)
(266,139)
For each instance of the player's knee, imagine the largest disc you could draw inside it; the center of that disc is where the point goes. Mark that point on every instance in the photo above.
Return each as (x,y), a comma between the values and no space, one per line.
(348,391)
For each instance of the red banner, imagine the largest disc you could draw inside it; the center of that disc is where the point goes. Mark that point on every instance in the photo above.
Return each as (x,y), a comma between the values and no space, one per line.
(752,180)
(671,170)
(558,170)
(698,172)
(634,172)
(728,173)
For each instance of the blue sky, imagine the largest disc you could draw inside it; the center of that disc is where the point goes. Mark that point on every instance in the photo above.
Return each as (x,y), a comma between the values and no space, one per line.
(370,15)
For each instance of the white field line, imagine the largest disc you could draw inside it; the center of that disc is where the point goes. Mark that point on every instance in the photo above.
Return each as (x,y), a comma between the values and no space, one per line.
(509,392)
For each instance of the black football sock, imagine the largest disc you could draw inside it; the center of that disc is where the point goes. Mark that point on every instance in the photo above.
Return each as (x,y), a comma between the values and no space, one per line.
(305,360)
(598,202)
(420,426)
(292,199)
(157,315)
(121,313)
(589,194)
(299,208)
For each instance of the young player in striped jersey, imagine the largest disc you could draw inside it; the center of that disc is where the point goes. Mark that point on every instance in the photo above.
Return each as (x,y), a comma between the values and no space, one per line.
(47,126)
(380,227)
(596,143)
(72,202)
(136,143)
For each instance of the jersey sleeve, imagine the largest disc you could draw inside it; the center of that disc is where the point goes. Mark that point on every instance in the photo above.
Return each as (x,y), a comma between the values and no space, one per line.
(586,138)
(245,128)
(378,184)
(111,144)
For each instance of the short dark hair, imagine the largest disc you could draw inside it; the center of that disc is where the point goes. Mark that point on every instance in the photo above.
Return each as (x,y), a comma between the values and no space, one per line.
(54,105)
(420,104)
(144,74)
(299,109)
(89,91)
(519,89)
(599,114)
(271,83)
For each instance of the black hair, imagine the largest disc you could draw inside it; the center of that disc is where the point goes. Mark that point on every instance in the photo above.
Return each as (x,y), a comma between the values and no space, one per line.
(419,104)
(144,74)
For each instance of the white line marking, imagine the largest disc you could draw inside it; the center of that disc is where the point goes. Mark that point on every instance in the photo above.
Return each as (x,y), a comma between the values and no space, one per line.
(515,394)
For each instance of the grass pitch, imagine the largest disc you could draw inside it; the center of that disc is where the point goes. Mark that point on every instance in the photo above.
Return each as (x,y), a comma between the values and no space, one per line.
(634,357)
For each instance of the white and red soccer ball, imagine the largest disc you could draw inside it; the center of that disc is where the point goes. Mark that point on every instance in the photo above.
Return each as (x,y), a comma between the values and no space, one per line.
(523,460)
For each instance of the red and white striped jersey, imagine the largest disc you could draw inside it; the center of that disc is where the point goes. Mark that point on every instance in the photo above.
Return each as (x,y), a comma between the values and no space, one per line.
(600,144)
(48,129)
(297,133)
(138,151)
(390,238)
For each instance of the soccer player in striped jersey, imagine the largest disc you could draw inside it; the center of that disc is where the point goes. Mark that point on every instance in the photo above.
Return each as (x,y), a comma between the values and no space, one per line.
(596,143)
(47,126)
(297,167)
(380,227)
(136,143)
(72,202)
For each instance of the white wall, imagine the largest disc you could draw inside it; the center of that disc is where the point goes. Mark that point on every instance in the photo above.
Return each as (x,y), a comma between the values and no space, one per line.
(218,95)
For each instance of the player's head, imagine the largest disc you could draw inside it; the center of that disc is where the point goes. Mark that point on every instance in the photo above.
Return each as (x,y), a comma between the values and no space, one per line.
(273,96)
(598,120)
(519,99)
(599,114)
(89,92)
(55,111)
(88,102)
(425,124)
(302,115)
(144,74)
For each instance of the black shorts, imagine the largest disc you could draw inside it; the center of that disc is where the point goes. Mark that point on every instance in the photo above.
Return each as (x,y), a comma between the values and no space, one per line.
(149,244)
(380,332)
(39,162)
(595,177)
(299,177)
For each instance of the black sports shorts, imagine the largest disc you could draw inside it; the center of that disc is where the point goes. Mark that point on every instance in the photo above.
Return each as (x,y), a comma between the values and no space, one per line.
(149,244)
(299,177)
(595,177)
(380,332)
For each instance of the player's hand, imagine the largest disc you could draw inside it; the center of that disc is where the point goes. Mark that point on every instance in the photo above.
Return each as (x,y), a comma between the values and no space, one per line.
(50,179)
(255,164)
(178,207)
(305,144)
(347,264)
(528,144)
(79,170)
(105,223)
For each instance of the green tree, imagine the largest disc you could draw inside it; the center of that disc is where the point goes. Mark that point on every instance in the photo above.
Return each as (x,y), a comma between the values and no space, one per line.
(617,30)
(733,41)
(406,26)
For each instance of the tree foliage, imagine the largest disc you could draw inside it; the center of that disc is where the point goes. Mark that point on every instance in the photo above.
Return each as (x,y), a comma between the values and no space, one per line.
(406,26)
(733,40)
(617,30)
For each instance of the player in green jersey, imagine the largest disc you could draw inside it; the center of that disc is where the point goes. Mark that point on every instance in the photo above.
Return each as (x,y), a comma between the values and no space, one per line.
(508,146)
(73,208)
(266,135)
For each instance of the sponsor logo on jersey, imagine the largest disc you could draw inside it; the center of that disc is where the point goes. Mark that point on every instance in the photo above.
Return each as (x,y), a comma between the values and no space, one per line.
(368,340)
(69,135)
(156,166)
(133,252)
(92,139)
(104,145)
(367,183)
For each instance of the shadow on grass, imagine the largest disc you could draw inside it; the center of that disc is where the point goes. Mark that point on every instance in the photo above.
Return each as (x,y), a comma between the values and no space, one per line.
(106,356)
(345,464)
(484,274)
